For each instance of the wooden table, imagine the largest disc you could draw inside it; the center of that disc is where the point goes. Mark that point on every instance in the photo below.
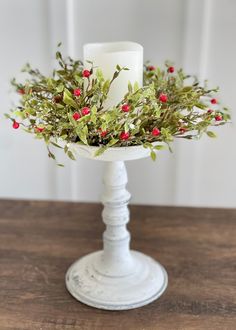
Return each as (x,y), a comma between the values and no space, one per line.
(39,241)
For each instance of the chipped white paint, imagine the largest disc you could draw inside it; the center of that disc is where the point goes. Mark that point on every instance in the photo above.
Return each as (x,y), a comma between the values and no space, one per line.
(116,278)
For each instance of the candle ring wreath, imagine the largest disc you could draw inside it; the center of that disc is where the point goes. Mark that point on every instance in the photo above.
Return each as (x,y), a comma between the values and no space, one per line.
(69,107)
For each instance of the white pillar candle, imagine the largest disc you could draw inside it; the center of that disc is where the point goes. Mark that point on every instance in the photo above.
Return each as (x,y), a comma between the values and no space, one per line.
(107,55)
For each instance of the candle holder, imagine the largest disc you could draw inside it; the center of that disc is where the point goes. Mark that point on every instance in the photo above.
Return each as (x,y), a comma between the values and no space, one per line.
(100,106)
(116,278)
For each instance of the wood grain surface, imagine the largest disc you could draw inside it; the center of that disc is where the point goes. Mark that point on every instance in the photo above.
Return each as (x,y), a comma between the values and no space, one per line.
(39,241)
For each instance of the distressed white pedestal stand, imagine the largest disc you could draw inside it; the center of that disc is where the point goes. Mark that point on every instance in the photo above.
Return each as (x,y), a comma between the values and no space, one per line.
(116,278)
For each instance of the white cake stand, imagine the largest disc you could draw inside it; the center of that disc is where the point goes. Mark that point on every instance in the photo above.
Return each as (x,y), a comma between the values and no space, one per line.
(116,278)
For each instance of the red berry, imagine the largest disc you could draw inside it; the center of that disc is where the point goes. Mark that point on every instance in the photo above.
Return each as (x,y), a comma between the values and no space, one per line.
(151,68)
(77,92)
(103,133)
(39,129)
(124,135)
(218,118)
(182,130)
(15,124)
(21,91)
(209,111)
(125,107)
(76,116)
(85,111)
(163,98)
(86,73)
(213,101)
(171,69)
(156,131)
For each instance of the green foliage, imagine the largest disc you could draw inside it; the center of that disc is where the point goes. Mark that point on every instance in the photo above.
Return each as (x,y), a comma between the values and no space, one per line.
(211,134)
(47,106)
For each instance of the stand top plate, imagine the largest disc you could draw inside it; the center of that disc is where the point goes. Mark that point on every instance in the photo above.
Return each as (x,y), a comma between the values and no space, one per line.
(113,153)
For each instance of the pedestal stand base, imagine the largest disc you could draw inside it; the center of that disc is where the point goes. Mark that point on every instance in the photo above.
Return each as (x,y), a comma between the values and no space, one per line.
(147,281)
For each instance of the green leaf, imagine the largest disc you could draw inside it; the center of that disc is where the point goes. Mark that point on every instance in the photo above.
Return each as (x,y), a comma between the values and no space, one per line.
(153,155)
(99,75)
(112,142)
(211,134)
(49,127)
(78,78)
(130,88)
(94,114)
(187,89)
(67,99)
(82,134)
(126,127)
(115,75)
(136,86)
(100,151)
(94,110)
(26,68)
(18,113)
(50,83)
(61,72)
(51,155)
(58,56)
(200,106)
(106,86)
(56,145)
(31,111)
(169,147)
(71,155)
(148,145)
(104,126)
(159,147)
(60,88)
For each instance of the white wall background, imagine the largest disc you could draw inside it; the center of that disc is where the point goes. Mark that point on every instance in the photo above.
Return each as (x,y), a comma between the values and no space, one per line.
(198,35)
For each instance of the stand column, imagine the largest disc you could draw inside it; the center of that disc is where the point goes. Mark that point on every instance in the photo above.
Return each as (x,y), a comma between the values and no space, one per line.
(116,278)
(116,259)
